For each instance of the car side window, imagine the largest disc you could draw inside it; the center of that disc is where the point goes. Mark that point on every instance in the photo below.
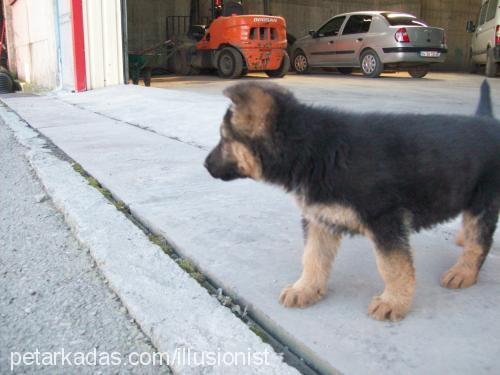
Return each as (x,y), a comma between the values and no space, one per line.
(332,27)
(357,24)
(482,15)
(492,8)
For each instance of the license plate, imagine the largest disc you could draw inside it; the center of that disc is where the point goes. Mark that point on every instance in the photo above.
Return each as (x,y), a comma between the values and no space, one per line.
(430,54)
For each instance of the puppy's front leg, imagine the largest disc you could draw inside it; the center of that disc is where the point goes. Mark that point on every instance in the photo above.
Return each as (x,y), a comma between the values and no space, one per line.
(396,268)
(319,251)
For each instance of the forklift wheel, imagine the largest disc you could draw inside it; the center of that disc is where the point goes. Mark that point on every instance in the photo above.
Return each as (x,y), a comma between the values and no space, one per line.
(229,63)
(282,70)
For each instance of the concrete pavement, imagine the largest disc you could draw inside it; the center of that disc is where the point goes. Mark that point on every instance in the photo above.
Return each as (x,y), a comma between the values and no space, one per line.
(147,147)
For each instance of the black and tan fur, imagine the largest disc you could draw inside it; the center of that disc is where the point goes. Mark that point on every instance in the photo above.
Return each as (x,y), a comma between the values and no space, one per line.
(379,175)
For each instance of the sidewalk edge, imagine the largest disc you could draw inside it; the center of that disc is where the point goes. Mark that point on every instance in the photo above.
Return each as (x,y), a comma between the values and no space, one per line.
(155,290)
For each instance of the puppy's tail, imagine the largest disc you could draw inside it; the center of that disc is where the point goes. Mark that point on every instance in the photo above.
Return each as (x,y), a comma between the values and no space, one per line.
(484,107)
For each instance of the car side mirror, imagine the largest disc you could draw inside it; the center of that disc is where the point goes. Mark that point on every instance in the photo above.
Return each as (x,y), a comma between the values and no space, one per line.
(313,33)
(470,27)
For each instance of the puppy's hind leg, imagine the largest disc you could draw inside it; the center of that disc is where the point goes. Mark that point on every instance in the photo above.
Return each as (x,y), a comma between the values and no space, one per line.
(478,232)
(320,248)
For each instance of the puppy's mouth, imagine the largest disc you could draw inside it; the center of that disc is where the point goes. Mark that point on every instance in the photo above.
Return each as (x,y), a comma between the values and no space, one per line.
(230,176)
(224,174)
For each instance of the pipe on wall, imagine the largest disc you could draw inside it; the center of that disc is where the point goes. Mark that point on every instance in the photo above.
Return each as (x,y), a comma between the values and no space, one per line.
(124,40)
(78,45)
(58,47)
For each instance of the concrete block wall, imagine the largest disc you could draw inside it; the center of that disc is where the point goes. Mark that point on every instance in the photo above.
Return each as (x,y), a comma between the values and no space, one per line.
(303,16)
(452,16)
(146,21)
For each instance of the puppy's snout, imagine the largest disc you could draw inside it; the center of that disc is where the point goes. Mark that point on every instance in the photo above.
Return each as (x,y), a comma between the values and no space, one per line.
(209,162)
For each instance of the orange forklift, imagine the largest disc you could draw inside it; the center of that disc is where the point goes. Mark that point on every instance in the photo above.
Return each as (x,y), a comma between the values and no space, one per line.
(234,44)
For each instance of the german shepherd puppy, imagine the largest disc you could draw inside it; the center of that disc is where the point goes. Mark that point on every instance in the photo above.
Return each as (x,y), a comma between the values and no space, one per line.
(379,175)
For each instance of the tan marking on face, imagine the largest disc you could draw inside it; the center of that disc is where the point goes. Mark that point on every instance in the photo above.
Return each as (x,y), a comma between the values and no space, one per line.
(398,273)
(252,116)
(319,252)
(334,214)
(223,131)
(248,164)
(465,271)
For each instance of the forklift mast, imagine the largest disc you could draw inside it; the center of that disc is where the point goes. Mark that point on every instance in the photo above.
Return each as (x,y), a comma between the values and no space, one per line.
(195,14)
(216,8)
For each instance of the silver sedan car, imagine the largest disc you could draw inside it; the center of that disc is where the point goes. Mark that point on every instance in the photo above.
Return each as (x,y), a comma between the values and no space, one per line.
(373,41)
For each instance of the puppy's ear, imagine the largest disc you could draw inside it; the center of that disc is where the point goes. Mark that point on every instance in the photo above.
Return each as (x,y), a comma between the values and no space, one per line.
(254,108)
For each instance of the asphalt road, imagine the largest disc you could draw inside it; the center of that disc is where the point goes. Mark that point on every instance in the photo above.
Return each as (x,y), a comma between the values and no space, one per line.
(52,296)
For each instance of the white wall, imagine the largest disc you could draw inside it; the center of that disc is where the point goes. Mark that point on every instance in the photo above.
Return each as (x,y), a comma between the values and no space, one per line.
(33,36)
(103,42)
(67,65)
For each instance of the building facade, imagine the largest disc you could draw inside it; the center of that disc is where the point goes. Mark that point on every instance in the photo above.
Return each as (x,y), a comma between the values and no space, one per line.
(83,44)
(70,44)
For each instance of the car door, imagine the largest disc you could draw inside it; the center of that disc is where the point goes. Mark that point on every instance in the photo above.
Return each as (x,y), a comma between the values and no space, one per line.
(322,44)
(348,45)
(480,38)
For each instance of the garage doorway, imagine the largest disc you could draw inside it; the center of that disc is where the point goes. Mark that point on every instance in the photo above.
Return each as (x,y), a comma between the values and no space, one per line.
(150,25)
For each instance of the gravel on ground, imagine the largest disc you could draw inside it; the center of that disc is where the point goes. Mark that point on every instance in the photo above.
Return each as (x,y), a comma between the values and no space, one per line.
(53,300)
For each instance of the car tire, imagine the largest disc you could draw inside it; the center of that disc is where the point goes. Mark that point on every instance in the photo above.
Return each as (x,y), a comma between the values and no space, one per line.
(300,63)
(491,65)
(418,71)
(282,70)
(6,83)
(345,71)
(370,63)
(229,63)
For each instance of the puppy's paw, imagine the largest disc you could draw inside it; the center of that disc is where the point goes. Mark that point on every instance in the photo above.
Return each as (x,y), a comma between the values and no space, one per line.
(384,309)
(459,276)
(298,296)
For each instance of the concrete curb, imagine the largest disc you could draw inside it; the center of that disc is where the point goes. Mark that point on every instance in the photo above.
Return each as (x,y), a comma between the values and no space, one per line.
(179,316)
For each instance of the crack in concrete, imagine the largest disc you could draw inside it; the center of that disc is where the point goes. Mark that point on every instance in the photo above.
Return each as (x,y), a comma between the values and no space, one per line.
(148,129)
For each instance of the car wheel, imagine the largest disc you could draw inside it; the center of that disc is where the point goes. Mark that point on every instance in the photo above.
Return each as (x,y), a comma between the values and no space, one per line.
(491,65)
(229,63)
(300,63)
(282,70)
(371,66)
(345,71)
(6,83)
(419,71)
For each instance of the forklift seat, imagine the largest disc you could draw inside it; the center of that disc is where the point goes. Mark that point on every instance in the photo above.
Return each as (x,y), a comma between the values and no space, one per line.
(232,7)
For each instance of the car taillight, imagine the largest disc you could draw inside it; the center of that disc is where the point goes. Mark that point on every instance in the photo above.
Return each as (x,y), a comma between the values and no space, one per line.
(444,40)
(497,35)
(401,36)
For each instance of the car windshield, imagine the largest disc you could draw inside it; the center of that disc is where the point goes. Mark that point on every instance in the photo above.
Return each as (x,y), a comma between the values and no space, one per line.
(403,19)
